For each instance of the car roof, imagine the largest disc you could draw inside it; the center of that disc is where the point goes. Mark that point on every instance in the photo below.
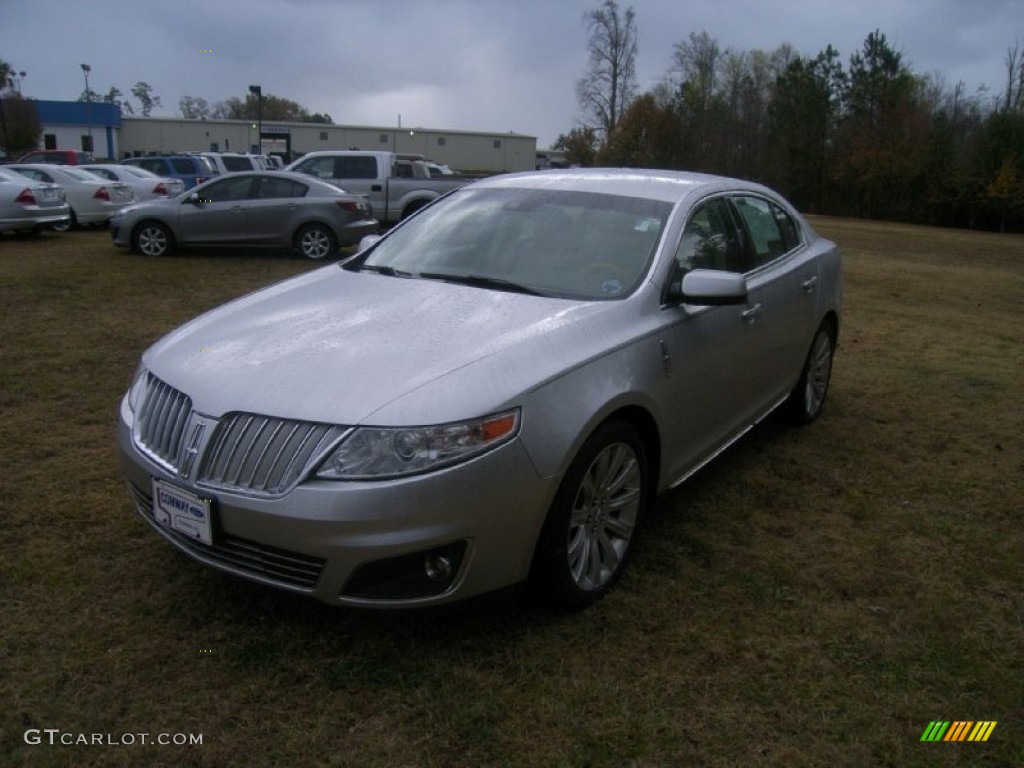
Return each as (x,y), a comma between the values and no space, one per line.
(669,186)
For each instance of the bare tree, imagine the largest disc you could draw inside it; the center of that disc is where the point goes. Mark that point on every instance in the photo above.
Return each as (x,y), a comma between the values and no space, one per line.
(144,93)
(1013,99)
(606,90)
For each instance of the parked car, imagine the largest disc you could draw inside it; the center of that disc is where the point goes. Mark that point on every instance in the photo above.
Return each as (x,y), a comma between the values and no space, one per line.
(265,208)
(493,392)
(145,185)
(91,200)
(232,162)
(189,169)
(57,157)
(396,188)
(30,206)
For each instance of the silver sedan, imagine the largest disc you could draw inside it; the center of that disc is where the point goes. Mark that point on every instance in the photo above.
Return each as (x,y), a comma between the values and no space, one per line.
(492,393)
(259,208)
(91,200)
(30,206)
(145,185)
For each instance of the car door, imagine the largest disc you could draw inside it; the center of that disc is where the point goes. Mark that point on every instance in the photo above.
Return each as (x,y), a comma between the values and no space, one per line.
(217,213)
(707,350)
(782,280)
(273,209)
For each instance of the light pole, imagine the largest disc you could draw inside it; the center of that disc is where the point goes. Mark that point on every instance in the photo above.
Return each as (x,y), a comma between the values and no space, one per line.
(257,91)
(86,69)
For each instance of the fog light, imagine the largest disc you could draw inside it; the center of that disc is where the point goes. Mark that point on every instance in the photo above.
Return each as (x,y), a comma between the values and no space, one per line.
(437,567)
(426,573)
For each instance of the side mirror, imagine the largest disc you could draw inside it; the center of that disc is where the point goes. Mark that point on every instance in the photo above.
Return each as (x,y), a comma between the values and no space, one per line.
(193,198)
(707,288)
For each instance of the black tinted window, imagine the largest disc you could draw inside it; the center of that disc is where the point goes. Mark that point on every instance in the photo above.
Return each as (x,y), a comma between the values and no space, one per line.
(156,165)
(274,187)
(356,168)
(766,243)
(710,240)
(236,163)
(227,190)
(184,165)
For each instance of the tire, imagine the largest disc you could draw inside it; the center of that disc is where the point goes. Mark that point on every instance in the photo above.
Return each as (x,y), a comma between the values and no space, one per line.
(151,238)
(585,543)
(808,396)
(316,242)
(72,223)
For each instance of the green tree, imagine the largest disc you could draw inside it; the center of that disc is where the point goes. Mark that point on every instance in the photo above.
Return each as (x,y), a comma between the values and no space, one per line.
(147,100)
(20,125)
(647,136)
(608,86)
(580,146)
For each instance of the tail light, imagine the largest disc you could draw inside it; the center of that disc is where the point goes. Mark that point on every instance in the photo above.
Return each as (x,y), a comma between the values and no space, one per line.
(348,205)
(26,197)
(160,189)
(102,194)
(200,179)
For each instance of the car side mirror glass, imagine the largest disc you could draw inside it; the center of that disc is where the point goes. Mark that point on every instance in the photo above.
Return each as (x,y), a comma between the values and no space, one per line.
(193,198)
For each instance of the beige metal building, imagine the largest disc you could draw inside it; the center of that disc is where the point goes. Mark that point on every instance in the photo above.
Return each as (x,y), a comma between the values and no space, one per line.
(461,150)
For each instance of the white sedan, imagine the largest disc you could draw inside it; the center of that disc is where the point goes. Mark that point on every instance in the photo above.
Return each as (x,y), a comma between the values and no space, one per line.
(92,200)
(145,184)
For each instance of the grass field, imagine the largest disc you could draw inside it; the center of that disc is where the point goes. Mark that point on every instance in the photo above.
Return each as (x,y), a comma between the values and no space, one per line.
(814,598)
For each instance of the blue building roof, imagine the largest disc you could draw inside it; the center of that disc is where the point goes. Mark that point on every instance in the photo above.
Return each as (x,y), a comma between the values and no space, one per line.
(98,113)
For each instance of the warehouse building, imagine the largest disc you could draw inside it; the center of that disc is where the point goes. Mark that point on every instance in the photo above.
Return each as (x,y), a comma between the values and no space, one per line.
(104,130)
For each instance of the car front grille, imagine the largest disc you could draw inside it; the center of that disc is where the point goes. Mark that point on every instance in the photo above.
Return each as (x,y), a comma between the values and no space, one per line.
(289,569)
(264,455)
(250,453)
(161,421)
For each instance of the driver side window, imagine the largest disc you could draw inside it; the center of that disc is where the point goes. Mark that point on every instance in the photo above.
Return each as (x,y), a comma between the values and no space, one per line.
(709,240)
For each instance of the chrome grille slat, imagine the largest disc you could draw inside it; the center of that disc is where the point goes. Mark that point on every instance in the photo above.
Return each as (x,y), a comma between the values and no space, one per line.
(162,420)
(262,454)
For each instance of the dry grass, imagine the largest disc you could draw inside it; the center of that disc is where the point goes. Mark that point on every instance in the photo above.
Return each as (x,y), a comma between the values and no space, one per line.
(814,598)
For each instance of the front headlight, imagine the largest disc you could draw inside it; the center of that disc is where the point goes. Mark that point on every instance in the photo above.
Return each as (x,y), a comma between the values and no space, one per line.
(375,453)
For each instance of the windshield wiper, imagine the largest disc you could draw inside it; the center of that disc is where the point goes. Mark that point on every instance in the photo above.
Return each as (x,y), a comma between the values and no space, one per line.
(381,269)
(480,281)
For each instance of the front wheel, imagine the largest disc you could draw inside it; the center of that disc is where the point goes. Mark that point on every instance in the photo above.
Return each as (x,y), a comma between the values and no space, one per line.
(584,545)
(315,242)
(151,238)
(808,396)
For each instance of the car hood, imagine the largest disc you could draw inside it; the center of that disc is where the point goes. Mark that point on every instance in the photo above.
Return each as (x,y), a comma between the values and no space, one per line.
(338,346)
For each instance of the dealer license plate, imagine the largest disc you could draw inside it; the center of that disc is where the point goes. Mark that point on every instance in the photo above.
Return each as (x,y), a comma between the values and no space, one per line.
(183,511)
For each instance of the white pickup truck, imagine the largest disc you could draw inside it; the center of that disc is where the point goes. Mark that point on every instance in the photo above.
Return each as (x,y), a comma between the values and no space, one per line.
(395,188)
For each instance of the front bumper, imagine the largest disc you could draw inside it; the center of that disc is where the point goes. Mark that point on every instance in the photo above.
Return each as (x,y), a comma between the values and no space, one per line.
(348,543)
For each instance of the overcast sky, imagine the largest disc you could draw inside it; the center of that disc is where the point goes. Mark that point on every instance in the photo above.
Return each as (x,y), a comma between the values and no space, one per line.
(479,65)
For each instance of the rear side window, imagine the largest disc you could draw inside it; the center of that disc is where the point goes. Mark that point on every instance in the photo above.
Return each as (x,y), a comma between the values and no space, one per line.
(766,243)
(356,168)
(790,232)
(184,166)
(271,187)
(103,172)
(236,163)
(154,164)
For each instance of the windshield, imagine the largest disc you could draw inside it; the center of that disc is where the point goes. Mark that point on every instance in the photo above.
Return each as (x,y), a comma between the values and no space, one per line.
(561,243)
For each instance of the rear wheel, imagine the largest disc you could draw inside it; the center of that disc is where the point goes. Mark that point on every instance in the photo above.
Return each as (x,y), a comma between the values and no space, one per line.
(151,238)
(315,241)
(808,397)
(71,223)
(584,546)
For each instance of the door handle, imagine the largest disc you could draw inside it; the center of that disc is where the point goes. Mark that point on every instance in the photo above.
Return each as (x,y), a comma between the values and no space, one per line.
(376,188)
(752,314)
(237,209)
(809,285)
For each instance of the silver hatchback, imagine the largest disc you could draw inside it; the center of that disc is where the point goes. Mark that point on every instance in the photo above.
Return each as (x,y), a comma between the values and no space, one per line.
(494,392)
(259,208)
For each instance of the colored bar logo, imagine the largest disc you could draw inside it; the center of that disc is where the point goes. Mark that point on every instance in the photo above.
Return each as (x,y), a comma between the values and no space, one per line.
(958,730)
